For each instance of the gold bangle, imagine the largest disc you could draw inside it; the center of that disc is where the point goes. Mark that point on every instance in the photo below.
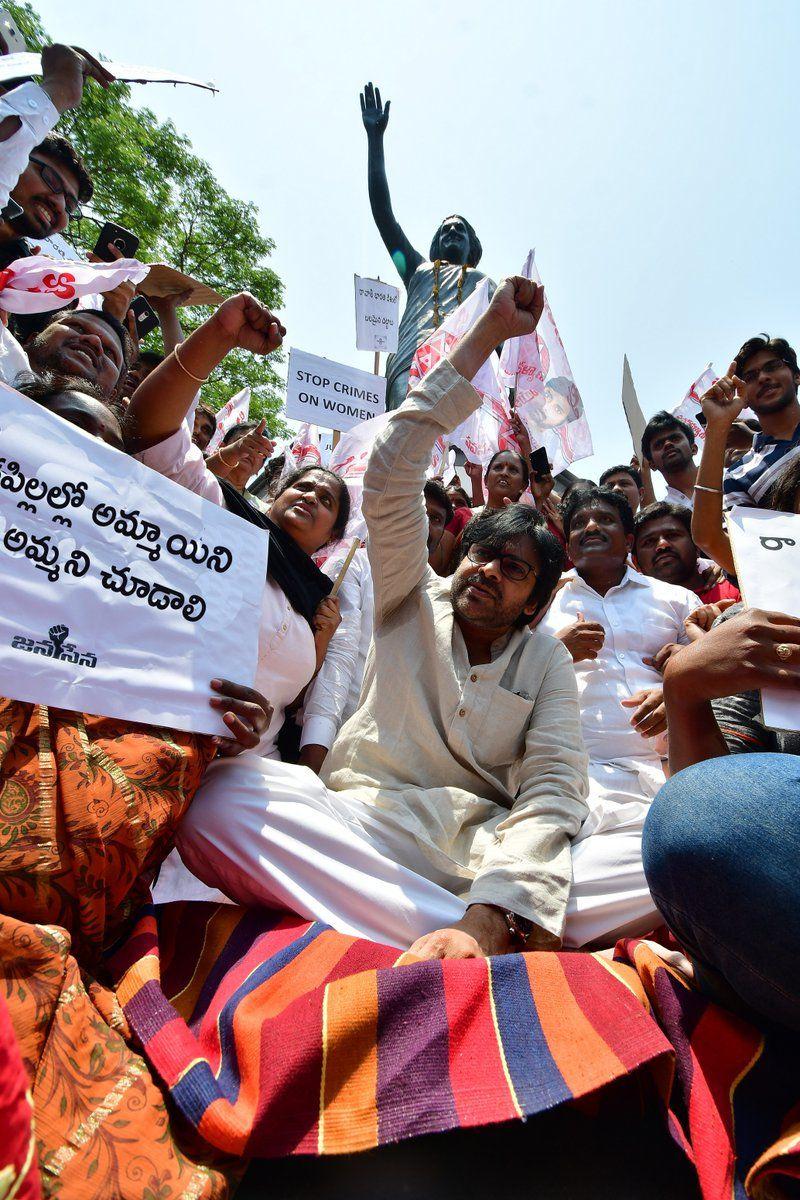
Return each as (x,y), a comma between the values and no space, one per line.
(186,370)
(699,487)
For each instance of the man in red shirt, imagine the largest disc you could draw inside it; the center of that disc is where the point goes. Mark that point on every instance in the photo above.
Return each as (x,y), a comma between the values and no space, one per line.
(663,548)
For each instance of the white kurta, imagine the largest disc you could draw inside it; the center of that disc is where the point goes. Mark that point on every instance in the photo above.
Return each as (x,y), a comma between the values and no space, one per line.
(639,615)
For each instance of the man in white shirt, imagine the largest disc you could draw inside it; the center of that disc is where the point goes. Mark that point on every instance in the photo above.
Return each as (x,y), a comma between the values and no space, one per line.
(668,445)
(614,622)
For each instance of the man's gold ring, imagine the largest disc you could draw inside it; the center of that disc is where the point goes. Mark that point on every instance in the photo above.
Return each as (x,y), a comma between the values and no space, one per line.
(784,651)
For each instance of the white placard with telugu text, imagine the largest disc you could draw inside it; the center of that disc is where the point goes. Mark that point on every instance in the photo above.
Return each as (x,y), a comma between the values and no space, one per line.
(377,315)
(766,549)
(124,594)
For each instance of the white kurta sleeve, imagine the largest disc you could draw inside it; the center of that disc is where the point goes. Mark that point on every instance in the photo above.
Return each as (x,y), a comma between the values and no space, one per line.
(327,696)
(37,115)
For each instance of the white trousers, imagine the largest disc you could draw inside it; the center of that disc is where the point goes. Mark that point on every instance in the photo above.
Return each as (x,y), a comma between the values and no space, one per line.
(271,834)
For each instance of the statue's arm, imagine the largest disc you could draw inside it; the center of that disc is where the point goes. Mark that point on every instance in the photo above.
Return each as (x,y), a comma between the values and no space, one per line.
(375,117)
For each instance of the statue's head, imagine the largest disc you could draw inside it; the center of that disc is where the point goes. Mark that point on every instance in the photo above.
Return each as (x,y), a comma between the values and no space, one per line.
(456,242)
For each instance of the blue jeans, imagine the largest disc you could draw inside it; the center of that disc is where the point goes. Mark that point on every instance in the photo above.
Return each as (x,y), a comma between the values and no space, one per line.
(721,851)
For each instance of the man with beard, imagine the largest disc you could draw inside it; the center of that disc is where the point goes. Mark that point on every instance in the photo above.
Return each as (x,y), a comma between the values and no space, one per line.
(663,548)
(85,343)
(765,376)
(615,623)
(454,790)
(668,445)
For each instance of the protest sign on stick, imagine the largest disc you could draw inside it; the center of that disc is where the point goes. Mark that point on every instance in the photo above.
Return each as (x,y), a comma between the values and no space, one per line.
(633,411)
(377,319)
(766,550)
(319,391)
(123,593)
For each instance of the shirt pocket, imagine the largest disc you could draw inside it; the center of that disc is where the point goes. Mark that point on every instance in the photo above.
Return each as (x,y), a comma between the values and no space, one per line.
(501,738)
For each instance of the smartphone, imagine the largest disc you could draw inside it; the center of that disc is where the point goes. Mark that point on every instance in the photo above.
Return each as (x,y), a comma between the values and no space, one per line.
(10,35)
(540,464)
(512,392)
(144,315)
(126,242)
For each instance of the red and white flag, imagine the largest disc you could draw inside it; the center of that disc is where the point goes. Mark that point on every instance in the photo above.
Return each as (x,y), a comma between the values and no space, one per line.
(38,284)
(547,397)
(689,406)
(305,449)
(233,412)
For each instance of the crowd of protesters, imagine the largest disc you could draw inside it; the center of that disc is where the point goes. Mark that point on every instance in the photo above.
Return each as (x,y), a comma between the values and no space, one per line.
(528,721)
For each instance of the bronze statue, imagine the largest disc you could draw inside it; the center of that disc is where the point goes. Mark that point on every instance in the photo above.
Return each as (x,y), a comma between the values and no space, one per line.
(435,286)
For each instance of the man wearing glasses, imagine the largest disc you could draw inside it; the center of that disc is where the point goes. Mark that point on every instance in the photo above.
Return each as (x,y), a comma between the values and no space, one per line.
(620,627)
(48,192)
(455,789)
(764,376)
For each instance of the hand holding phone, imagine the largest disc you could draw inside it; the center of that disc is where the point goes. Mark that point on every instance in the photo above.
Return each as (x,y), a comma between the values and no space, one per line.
(540,464)
(122,239)
(144,315)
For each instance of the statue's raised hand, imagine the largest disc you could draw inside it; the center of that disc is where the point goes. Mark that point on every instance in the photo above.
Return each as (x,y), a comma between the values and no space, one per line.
(373,113)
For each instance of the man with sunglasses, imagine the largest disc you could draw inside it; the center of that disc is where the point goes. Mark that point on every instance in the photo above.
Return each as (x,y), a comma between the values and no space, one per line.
(619,626)
(455,789)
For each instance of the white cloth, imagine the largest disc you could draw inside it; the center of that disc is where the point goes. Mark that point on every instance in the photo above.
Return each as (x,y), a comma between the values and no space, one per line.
(13,358)
(610,897)
(640,615)
(676,497)
(333,696)
(37,115)
(271,834)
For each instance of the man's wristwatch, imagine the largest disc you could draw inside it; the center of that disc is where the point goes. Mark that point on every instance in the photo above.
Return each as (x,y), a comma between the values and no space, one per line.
(519,929)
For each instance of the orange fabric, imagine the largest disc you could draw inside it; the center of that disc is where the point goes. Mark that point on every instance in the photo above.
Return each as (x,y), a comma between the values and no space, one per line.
(88,810)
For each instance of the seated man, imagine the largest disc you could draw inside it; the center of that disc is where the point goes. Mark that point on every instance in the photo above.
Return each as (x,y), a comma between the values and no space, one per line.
(663,548)
(669,447)
(721,842)
(456,787)
(614,622)
(626,480)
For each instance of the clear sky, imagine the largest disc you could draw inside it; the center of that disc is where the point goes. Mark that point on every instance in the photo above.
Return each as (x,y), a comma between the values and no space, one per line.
(647,149)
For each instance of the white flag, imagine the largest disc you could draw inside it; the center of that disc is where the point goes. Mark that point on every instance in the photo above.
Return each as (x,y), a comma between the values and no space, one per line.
(37,284)
(233,412)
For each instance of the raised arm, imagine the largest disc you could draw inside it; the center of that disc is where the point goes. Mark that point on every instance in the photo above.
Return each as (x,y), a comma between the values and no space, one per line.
(393,502)
(376,117)
(721,404)
(162,400)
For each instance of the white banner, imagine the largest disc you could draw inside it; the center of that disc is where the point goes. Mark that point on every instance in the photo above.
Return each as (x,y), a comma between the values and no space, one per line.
(37,284)
(233,412)
(319,391)
(766,551)
(123,593)
(16,66)
(377,319)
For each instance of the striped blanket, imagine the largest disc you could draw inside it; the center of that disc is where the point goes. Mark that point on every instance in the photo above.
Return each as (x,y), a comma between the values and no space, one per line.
(274,1037)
